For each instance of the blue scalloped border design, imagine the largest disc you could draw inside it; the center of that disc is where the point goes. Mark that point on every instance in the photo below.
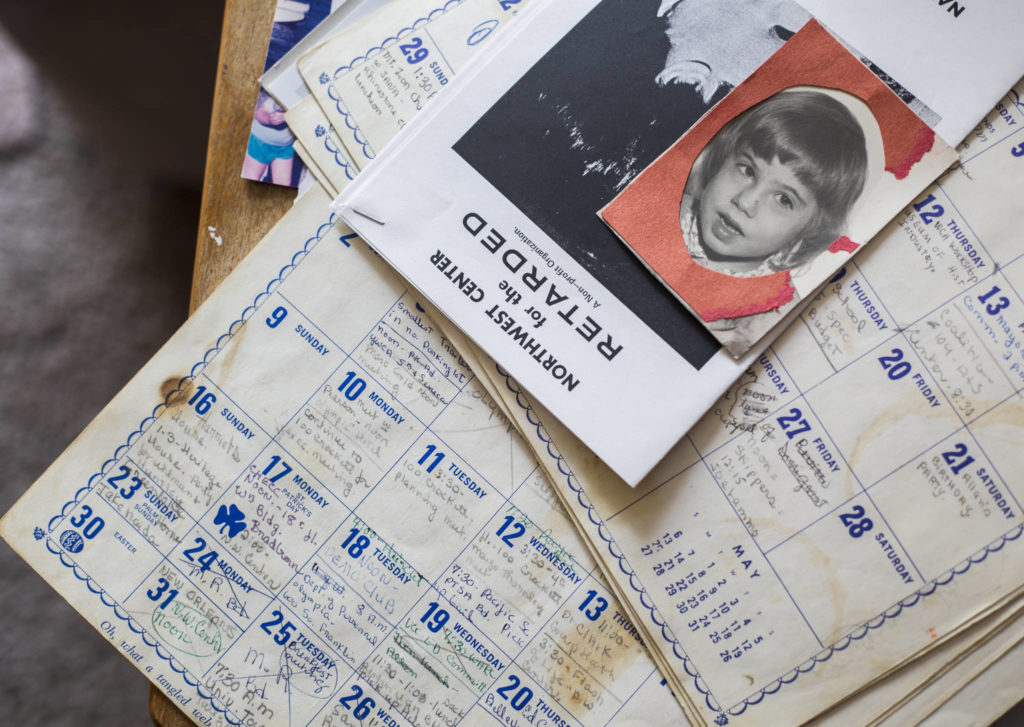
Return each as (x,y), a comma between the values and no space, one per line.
(332,92)
(196,370)
(789,677)
(338,155)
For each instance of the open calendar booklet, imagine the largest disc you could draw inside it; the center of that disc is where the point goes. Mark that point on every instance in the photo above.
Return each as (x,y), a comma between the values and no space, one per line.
(314,506)
(853,498)
(490,203)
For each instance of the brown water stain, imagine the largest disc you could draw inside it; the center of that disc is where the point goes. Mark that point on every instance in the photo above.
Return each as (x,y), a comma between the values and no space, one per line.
(168,388)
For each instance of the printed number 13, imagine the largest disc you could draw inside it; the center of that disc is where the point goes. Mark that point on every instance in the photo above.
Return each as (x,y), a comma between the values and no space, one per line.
(600,604)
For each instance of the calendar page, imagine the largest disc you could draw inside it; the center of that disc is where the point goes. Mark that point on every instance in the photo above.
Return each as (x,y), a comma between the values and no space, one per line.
(488,200)
(305,510)
(853,499)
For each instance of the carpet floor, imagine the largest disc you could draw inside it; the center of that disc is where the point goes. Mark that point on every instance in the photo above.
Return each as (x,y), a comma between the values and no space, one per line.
(95,269)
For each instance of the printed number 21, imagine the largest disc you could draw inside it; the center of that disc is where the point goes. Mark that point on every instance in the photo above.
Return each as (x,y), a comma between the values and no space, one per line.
(957,458)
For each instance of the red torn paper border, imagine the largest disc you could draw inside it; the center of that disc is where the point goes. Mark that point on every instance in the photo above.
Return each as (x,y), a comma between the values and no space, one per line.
(646,214)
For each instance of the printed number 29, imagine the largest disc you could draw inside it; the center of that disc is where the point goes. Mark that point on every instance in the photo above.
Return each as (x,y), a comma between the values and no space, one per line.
(413,50)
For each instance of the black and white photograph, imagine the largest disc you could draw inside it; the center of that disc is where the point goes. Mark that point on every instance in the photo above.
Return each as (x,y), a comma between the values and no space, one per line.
(603,104)
(767,200)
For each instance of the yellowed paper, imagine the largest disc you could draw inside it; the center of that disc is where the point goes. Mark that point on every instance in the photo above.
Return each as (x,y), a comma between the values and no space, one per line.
(986,698)
(320,141)
(373,78)
(909,694)
(305,510)
(851,501)
(314,168)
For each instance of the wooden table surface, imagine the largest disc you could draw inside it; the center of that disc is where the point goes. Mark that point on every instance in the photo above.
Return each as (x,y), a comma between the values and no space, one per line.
(240,212)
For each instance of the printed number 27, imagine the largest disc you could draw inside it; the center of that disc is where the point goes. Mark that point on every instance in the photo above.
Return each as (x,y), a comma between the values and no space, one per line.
(794,423)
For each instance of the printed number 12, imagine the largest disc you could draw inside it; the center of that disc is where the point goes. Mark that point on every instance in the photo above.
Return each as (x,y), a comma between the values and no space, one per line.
(928,215)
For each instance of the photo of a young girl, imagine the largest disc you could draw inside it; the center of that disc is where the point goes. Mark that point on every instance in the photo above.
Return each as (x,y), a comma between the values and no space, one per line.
(760,207)
(774,187)
(771,192)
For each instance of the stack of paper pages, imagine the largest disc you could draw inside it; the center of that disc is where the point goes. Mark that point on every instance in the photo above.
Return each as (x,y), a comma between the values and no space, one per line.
(649,377)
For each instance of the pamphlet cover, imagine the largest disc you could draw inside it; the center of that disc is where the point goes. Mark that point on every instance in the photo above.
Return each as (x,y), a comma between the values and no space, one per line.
(488,203)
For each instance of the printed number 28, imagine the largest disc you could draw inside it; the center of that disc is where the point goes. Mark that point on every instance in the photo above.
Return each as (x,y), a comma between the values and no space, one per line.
(855,521)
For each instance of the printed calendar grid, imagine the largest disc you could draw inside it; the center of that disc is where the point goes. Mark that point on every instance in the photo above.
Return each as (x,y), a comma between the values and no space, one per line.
(864,489)
(196,523)
(1010,535)
(665,632)
(505,504)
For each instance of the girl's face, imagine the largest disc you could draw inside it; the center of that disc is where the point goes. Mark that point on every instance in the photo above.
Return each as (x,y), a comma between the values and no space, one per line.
(753,208)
